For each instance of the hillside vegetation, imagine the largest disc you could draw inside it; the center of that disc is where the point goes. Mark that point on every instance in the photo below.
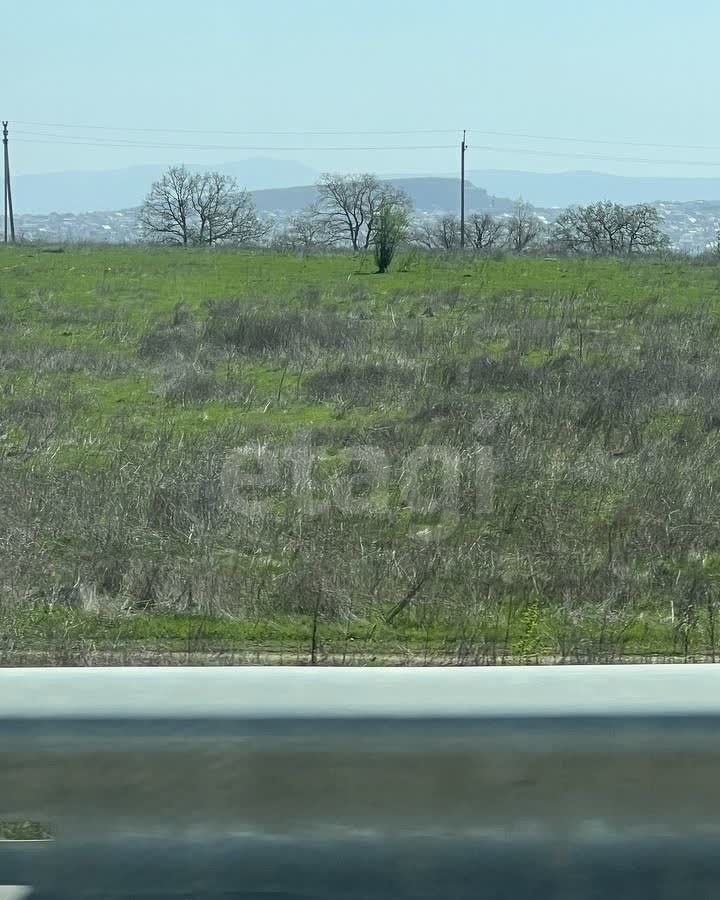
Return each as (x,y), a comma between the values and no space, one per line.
(235,455)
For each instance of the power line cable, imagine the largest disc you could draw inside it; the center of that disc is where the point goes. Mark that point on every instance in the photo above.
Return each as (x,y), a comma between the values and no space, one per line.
(120,144)
(604,141)
(338,132)
(321,133)
(598,157)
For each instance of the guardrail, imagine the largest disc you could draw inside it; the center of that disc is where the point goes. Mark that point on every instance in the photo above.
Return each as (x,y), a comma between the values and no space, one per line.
(364,783)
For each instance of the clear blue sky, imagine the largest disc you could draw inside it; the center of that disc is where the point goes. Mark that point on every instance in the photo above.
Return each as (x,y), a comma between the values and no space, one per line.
(619,70)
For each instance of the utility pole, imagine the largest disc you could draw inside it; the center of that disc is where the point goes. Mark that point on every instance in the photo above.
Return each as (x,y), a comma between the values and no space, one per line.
(463,148)
(7,189)
(5,178)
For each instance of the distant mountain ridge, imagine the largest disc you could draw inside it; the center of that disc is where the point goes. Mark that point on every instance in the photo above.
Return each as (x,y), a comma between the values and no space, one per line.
(279,186)
(287,185)
(431,195)
(428,195)
(81,192)
(567,188)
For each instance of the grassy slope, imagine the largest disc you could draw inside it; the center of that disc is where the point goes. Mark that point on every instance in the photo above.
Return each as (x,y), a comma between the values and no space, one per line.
(593,383)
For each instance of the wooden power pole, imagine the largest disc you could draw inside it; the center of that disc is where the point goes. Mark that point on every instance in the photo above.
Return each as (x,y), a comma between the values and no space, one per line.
(463,148)
(9,217)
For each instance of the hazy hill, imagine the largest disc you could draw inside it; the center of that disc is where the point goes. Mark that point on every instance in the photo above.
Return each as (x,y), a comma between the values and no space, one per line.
(427,195)
(566,188)
(78,192)
(442,194)
(286,185)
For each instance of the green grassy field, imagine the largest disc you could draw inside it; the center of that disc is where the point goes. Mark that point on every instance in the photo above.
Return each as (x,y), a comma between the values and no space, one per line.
(214,456)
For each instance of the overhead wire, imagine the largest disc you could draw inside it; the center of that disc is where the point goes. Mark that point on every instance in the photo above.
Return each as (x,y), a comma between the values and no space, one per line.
(537,152)
(29,134)
(47,137)
(306,133)
(215,147)
(386,132)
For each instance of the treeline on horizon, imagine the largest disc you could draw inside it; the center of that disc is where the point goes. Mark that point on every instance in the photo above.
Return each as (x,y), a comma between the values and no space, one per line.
(210,209)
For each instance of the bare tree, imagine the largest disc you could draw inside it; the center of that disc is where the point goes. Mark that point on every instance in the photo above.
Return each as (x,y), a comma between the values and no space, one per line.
(223,212)
(199,208)
(484,232)
(308,230)
(610,229)
(586,229)
(439,233)
(523,228)
(714,248)
(642,229)
(349,205)
(167,213)
(423,235)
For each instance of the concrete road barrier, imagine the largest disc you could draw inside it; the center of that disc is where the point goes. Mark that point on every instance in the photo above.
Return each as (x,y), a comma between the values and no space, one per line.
(364,783)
